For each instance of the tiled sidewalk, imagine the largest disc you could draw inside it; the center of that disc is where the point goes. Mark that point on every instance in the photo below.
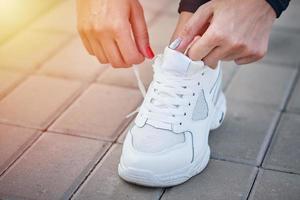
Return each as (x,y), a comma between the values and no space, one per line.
(62,117)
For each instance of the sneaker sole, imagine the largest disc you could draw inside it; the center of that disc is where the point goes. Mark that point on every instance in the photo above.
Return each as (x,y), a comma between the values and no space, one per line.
(148,178)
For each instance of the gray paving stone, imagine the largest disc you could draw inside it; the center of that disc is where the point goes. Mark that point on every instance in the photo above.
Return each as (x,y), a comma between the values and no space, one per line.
(283,47)
(276,186)
(294,103)
(121,138)
(262,83)
(229,70)
(37,101)
(73,62)
(99,113)
(284,152)
(172,8)
(29,49)
(13,141)
(52,168)
(104,182)
(8,80)
(125,76)
(16,15)
(60,18)
(156,5)
(161,31)
(244,135)
(151,9)
(290,17)
(220,180)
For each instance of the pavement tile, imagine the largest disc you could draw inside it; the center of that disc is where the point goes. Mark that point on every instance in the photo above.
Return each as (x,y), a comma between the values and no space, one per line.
(283,47)
(104,182)
(161,31)
(294,103)
(121,138)
(17,14)
(60,18)
(151,9)
(13,141)
(52,168)
(99,113)
(229,70)
(37,101)
(8,80)
(244,135)
(287,19)
(172,9)
(262,83)
(276,186)
(29,49)
(220,180)
(73,62)
(284,152)
(125,76)
(156,5)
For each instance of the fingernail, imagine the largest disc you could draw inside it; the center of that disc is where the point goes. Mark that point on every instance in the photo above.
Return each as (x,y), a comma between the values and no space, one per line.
(149,52)
(175,43)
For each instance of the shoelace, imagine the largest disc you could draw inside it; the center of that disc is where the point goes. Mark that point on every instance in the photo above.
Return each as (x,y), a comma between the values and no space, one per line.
(169,101)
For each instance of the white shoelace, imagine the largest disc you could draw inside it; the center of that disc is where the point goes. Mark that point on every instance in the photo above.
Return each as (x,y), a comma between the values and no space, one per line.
(170,97)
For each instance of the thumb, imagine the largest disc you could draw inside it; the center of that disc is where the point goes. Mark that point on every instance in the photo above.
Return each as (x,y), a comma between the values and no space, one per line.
(140,31)
(193,27)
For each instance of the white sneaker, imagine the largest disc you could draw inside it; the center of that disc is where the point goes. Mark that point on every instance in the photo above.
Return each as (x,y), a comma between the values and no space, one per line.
(169,142)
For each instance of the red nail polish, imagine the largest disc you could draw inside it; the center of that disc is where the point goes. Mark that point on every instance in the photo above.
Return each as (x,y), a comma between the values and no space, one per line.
(149,52)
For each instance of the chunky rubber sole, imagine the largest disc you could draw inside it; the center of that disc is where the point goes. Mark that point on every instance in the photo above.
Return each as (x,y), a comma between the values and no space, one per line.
(178,176)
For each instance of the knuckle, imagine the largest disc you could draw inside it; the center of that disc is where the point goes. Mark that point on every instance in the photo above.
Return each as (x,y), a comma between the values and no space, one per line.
(118,27)
(187,29)
(84,28)
(89,52)
(217,36)
(98,28)
(260,54)
(140,60)
(237,44)
(192,55)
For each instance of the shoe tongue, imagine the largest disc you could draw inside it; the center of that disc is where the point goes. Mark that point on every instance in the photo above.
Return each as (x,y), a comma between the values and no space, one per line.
(179,64)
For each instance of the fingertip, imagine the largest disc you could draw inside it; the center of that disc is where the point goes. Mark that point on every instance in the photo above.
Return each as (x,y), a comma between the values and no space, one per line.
(149,52)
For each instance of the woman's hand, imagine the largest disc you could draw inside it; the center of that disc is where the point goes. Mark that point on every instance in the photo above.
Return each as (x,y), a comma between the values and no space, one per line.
(114,31)
(229,29)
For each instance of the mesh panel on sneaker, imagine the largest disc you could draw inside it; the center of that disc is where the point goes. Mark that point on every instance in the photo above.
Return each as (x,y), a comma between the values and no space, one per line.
(201,108)
(150,139)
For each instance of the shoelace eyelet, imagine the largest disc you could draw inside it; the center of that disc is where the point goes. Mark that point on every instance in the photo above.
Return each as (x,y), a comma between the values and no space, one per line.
(180,123)
(190,104)
(198,83)
(193,94)
(184,114)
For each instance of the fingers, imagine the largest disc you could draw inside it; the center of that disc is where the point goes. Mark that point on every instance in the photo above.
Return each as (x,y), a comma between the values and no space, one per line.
(203,46)
(140,32)
(245,60)
(96,47)
(215,56)
(128,48)
(194,25)
(99,52)
(113,53)
(86,42)
(182,20)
